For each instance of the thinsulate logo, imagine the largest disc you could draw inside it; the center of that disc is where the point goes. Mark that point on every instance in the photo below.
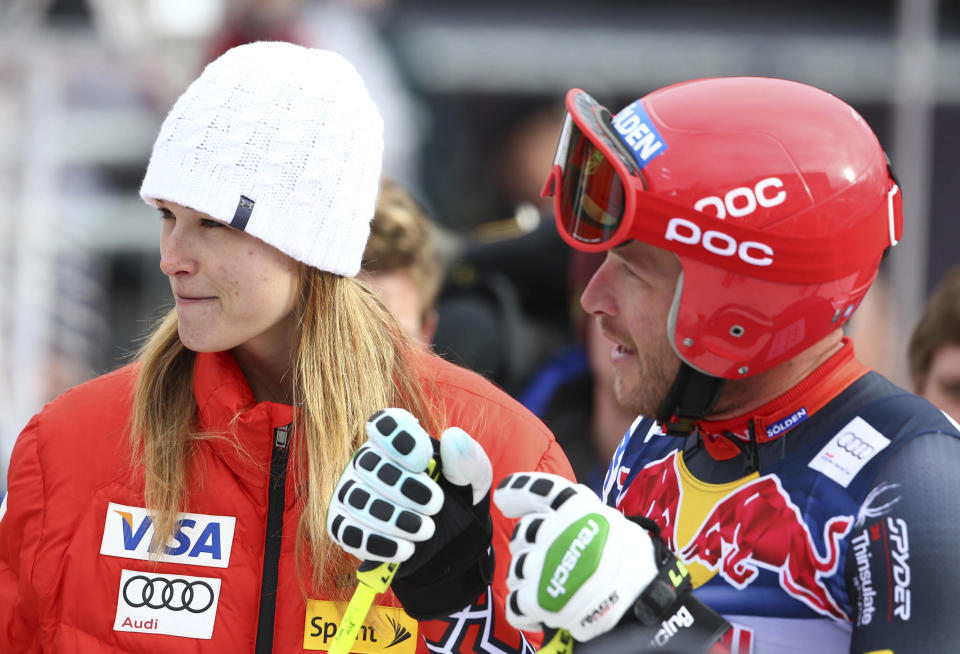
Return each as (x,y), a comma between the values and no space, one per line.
(572,558)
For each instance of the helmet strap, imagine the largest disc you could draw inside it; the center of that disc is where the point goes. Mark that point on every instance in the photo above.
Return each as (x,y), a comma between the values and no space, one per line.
(690,397)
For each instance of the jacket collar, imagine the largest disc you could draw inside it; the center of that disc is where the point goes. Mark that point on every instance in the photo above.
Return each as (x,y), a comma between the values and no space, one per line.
(226,405)
(780,415)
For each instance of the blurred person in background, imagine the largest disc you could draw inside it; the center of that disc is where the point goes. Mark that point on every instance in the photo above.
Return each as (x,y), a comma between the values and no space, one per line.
(872,330)
(181,501)
(802,496)
(401,261)
(934,350)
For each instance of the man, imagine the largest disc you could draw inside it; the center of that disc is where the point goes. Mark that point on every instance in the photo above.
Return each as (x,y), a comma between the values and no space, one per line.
(744,220)
(400,261)
(801,494)
(934,351)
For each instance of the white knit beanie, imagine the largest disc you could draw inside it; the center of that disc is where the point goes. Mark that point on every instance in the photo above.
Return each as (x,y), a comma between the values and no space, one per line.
(282,142)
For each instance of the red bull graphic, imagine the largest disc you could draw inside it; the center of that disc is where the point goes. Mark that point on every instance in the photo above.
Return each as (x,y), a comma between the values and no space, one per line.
(735,640)
(656,493)
(758,526)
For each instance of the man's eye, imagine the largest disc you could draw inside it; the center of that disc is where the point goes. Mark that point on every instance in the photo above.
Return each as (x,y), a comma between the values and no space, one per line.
(165,213)
(206,222)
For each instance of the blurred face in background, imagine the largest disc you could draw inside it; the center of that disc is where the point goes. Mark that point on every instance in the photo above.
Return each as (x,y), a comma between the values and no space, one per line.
(942,383)
(402,297)
(231,289)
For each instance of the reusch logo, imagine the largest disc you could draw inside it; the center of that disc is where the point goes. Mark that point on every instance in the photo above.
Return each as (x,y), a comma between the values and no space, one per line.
(197,540)
(573,557)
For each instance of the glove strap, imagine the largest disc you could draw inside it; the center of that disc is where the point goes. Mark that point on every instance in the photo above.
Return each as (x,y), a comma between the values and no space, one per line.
(431,595)
(669,608)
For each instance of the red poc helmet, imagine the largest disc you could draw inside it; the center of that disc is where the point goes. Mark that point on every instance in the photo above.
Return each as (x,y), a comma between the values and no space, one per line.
(776,197)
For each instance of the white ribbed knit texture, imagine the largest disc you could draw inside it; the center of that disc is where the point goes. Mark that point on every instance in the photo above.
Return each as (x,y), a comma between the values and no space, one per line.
(291,128)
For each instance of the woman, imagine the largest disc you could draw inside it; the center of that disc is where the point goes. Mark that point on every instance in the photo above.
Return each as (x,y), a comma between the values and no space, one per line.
(178,504)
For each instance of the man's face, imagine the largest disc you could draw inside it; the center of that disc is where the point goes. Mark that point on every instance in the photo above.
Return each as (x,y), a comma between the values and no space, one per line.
(942,386)
(630,295)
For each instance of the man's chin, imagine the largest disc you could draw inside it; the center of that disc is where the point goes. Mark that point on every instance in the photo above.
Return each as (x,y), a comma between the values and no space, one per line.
(631,400)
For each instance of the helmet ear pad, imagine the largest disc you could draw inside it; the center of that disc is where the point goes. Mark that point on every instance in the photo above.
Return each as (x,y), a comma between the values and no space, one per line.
(732,326)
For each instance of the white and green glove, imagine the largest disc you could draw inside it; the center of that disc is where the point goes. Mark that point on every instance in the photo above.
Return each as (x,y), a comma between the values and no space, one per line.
(576,563)
(582,568)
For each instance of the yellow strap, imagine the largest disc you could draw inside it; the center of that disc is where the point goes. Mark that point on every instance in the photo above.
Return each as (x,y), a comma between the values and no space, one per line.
(372,582)
(560,643)
(353,618)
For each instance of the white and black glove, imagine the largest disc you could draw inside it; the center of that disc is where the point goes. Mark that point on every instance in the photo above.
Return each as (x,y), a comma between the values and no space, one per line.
(580,565)
(387,508)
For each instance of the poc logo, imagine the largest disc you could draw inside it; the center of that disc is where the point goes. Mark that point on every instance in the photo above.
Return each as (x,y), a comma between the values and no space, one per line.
(743,201)
(724,245)
(197,540)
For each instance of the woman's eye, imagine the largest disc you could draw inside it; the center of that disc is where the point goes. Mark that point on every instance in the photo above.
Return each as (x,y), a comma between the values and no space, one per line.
(165,213)
(206,222)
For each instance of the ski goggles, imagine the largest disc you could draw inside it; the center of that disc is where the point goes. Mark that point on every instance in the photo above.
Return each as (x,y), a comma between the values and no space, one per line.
(595,178)
(601,201)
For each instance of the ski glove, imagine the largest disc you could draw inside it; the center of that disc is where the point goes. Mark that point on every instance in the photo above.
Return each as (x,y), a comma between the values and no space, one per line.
(386,507)
(576,563)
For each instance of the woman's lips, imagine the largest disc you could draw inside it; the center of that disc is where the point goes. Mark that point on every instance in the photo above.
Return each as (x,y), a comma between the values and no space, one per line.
(186,299)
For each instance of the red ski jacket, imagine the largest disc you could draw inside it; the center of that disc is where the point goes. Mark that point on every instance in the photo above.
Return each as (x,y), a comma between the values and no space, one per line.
(76,575)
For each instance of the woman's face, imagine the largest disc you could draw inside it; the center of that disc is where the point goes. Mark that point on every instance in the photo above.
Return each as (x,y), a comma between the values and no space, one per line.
(232,290)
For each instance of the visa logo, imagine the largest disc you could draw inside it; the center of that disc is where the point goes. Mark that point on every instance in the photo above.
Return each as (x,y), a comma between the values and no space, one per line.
(639,133)
(198,539)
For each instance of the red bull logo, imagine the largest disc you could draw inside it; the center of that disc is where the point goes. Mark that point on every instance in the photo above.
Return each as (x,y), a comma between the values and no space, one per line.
(757,526)
(656,493)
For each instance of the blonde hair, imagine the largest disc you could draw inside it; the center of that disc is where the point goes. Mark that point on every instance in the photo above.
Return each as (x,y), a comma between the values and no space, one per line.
(402,240)
(350,360)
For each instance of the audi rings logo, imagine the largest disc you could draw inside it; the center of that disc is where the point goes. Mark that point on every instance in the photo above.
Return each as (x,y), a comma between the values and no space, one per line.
(854,445)
(173,594)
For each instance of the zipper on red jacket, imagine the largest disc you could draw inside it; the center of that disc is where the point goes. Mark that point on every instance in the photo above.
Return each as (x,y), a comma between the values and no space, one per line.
(271,552)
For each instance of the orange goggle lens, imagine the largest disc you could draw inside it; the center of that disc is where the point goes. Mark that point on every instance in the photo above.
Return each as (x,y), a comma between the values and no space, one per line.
(591,193)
